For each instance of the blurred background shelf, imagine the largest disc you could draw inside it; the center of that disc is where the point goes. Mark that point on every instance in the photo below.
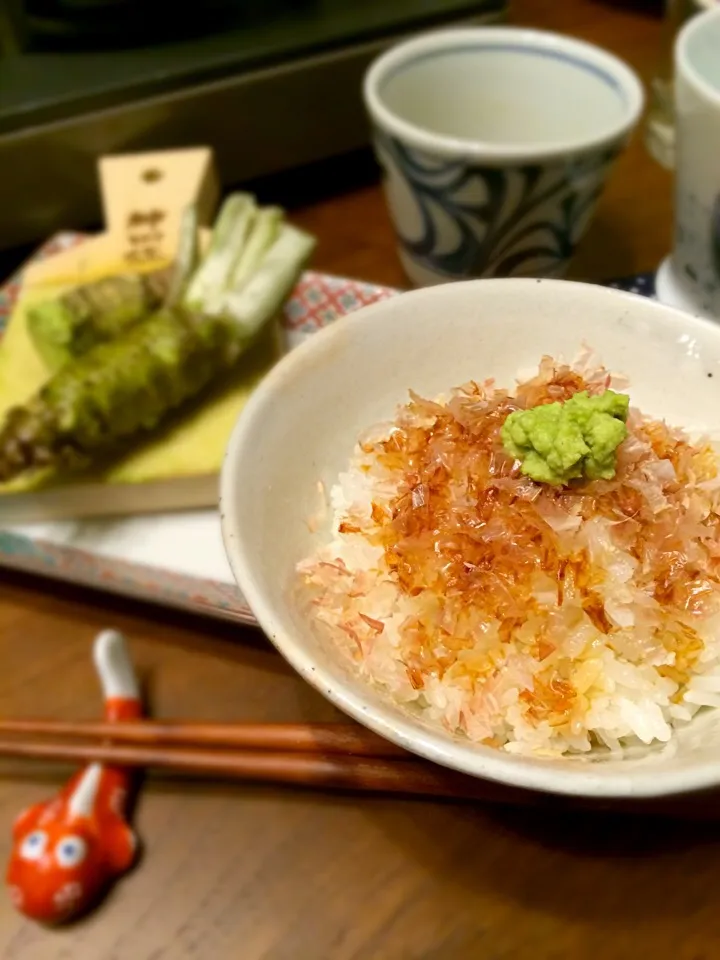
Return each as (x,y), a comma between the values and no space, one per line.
(270,84)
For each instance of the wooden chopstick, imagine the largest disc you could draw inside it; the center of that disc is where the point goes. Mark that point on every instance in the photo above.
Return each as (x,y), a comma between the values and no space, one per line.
(381,775)
(338,772)
(315,738)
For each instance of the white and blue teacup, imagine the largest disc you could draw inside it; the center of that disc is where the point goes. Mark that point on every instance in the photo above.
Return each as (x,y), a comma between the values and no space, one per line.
(495,143)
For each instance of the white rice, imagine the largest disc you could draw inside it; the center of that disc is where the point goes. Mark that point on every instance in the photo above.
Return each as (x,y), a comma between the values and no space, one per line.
(623,700)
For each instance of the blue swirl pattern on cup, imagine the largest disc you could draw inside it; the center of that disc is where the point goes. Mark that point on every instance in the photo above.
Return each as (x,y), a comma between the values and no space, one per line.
(459,219)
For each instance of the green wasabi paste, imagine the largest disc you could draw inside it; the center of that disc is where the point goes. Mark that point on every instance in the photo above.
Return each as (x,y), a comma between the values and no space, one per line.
(560,442)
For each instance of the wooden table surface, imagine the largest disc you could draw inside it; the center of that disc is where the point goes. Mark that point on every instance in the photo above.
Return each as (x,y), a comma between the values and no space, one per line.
(250,873)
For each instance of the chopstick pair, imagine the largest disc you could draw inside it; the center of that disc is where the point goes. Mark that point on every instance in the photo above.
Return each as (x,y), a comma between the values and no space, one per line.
(326,756)
(322,756)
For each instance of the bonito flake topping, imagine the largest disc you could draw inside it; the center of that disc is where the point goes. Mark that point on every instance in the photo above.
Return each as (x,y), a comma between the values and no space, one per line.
(542,619)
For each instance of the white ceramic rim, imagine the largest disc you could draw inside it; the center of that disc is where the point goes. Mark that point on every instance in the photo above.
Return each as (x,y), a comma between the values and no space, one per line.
(542,40)
(651,781)
(684,67)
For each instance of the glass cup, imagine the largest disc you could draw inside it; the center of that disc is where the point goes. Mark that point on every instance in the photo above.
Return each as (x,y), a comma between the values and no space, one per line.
(660,124)
(690,277)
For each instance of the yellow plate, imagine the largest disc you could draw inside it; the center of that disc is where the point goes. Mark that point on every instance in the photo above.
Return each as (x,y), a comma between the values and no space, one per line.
(192,445)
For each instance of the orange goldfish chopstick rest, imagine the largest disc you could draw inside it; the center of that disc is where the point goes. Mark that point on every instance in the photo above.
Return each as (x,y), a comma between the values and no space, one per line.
(66,851)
